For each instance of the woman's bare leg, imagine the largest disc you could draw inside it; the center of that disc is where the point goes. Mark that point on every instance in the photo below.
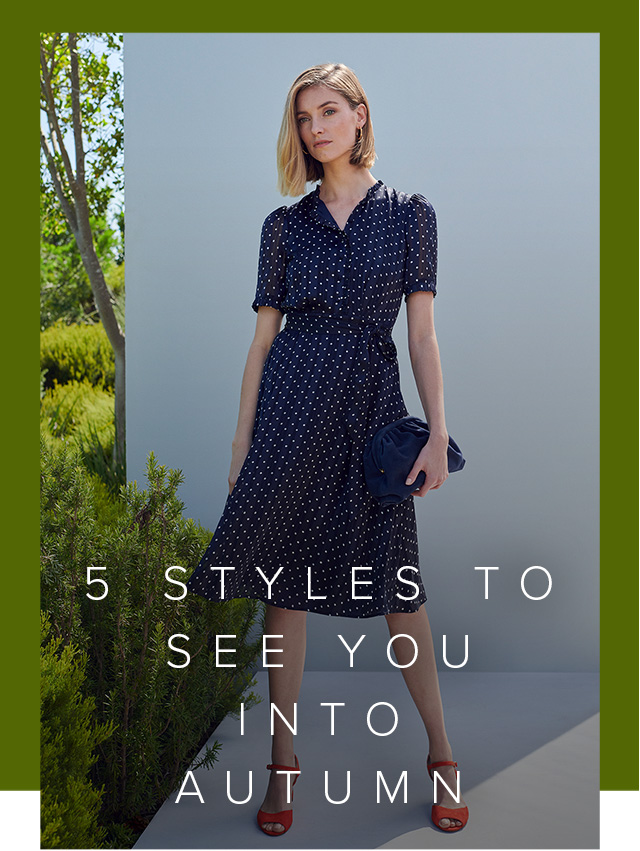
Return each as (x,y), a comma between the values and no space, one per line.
(422,681)
(284,688)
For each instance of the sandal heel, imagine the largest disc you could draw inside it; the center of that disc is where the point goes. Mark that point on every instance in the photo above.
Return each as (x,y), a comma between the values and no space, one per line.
(438,812)
(284,817)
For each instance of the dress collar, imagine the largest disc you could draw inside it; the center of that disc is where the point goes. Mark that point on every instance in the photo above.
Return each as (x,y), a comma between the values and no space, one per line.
(315,199)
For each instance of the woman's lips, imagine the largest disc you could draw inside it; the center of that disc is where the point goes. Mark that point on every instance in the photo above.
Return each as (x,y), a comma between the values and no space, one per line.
(321,144)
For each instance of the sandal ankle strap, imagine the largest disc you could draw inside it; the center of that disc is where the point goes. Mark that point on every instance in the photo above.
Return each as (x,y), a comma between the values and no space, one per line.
(295,767)
(443,762)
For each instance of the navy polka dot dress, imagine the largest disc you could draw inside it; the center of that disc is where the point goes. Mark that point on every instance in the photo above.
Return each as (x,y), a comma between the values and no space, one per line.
(300,529)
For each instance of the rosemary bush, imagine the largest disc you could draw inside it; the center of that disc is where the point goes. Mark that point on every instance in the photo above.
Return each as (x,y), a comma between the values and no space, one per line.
(69,804)
(161,715)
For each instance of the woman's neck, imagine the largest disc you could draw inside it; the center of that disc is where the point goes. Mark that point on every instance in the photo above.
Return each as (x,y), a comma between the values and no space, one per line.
(345,187)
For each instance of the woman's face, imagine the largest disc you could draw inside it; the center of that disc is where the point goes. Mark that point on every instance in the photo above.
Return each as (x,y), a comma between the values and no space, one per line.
(326,122)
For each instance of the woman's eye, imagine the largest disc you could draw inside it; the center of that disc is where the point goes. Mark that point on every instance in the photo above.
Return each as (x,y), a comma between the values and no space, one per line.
(304,118)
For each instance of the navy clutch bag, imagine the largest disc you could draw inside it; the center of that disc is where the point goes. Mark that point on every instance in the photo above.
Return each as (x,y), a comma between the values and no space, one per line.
(391,453)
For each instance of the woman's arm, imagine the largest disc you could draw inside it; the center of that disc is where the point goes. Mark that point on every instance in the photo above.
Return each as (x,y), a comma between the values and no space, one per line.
(425,362)
(268,324)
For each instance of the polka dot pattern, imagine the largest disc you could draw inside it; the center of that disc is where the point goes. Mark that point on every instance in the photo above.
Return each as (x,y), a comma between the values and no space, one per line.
(300,513)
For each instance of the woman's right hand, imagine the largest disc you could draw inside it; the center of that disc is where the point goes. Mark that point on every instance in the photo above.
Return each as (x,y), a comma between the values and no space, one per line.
(238,456)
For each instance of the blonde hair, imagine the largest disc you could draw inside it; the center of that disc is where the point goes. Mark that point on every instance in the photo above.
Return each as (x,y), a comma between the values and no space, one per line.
(295,167)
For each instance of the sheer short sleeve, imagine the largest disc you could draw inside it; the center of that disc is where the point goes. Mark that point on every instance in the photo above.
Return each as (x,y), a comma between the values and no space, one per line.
(272,266)
(421,235)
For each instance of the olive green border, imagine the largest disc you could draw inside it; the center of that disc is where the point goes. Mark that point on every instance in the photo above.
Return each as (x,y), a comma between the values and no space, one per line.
(619,335)
(618,404)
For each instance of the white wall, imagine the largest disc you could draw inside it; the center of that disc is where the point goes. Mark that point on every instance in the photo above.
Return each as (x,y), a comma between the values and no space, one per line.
(500,132)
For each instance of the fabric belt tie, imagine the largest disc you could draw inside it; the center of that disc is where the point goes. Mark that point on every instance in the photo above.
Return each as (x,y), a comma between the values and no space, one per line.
(373,338)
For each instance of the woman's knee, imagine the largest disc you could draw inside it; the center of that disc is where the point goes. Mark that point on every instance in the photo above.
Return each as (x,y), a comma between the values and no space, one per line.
(395,620)
(291,616)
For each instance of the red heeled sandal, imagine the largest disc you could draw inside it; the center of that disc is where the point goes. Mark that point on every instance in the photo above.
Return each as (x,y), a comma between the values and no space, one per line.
(284,817)
(438,812)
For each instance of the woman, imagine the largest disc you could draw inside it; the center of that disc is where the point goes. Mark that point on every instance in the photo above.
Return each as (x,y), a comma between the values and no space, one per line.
(299,517)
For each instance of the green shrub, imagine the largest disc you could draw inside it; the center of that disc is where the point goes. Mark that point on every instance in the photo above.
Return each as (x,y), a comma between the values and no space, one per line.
(78,409)
(98,458)
(106,505)
(163,715)
(77,352)
(65,291)
(69,803)
(86,414)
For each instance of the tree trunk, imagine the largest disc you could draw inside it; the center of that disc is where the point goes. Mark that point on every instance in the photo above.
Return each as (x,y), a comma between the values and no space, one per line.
(115,334)
(76,210)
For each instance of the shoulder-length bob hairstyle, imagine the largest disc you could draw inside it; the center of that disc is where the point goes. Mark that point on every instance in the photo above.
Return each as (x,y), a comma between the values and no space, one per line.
(295,167)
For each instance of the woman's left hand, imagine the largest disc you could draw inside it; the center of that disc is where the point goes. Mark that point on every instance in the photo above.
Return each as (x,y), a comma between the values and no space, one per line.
(433,460)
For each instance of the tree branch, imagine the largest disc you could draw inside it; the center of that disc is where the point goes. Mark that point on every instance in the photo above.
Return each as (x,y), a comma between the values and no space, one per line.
(53,121)
(54,43)
(67,206)
(52,138)
(75,109)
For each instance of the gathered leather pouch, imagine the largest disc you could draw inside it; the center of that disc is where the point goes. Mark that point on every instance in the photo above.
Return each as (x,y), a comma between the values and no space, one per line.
(390,454)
